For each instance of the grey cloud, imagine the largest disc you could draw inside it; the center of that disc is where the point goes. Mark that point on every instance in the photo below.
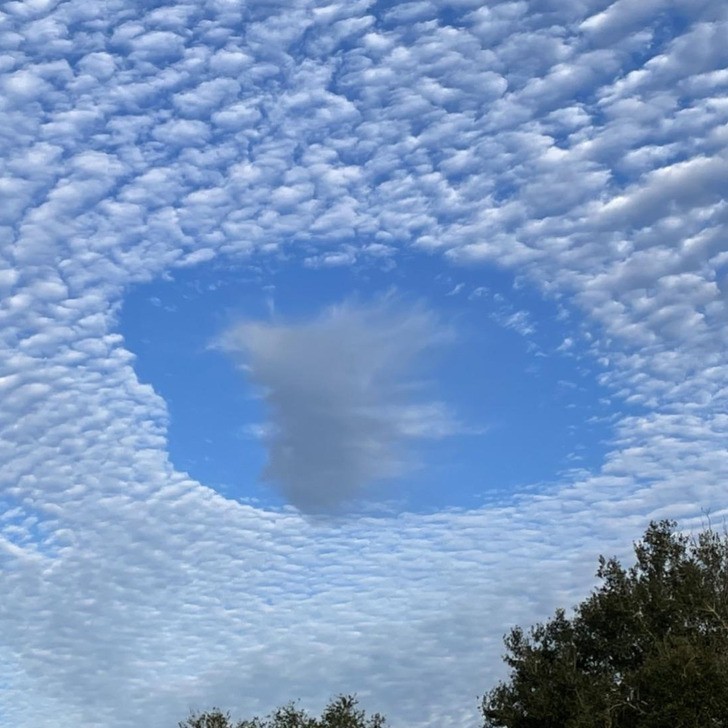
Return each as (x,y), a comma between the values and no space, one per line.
(341,396)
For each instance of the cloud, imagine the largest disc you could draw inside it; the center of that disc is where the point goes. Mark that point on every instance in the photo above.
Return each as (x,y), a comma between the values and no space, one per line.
(500,136)
(342,393)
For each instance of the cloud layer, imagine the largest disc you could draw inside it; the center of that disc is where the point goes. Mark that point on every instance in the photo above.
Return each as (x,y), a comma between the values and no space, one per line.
(579,143)
(341,397)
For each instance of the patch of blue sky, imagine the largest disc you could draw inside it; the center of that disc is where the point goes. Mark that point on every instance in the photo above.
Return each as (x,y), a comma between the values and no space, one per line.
(529,403)
(652,38)
(24,529)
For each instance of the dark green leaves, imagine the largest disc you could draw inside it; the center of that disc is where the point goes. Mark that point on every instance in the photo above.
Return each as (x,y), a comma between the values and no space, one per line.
(647,649)
(341,712)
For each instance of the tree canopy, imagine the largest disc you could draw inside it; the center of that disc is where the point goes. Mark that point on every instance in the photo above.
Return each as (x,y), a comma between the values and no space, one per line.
(341,712)
(647,649)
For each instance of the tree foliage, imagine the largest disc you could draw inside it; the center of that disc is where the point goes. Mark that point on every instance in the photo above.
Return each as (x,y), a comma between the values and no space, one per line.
(647,649)
(341,712)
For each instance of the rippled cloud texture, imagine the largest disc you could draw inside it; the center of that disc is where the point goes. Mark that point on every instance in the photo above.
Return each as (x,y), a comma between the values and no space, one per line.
(581,144)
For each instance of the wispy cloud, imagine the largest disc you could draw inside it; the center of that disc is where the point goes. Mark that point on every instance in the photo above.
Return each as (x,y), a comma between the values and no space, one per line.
(581,143)
(343,394)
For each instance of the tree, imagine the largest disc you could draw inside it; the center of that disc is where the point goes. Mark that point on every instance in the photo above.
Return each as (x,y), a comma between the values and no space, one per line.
(647,649)
(341,712)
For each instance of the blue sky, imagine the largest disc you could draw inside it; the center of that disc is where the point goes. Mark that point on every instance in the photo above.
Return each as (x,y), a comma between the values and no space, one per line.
(528,407)
(338,337)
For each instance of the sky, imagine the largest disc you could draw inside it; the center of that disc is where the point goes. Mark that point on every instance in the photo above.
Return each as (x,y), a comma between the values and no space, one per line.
(338,338)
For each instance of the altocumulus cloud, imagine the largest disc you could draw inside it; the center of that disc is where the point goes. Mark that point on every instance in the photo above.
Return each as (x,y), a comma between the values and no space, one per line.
(576,143)
(342,396)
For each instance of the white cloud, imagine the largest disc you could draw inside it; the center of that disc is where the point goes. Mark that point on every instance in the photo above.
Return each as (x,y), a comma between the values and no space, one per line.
(500,138)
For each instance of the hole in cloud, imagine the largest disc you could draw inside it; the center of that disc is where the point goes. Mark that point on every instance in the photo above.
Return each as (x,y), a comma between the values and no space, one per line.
(309,386)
